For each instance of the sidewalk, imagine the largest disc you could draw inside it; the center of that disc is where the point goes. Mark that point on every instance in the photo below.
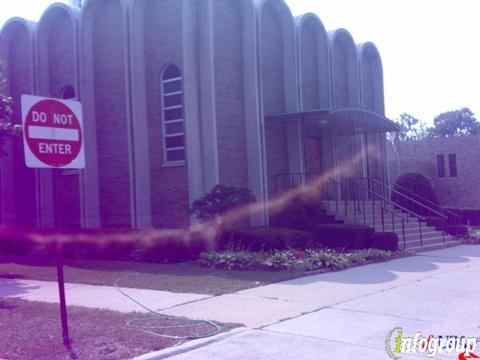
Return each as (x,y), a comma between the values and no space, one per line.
(343,313)
(98,297)
(349,313)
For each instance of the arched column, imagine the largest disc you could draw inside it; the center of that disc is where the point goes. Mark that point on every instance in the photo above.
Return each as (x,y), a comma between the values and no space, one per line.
(109,176)
(19,190)
(279,88)
(61,200)
(314,63)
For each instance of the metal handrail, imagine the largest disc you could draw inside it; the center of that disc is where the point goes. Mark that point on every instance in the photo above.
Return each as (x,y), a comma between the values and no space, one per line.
(408,211)
(390,187)
(373,193)
(390,202)
(410,199)
(382,209)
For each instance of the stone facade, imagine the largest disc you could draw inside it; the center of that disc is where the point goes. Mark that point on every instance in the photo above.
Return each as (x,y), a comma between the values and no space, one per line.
(239,62)
(420,156)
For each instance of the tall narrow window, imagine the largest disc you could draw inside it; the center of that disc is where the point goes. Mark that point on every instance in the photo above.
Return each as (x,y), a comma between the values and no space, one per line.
(452,165)
(67,92)
(441,165)
(172,117)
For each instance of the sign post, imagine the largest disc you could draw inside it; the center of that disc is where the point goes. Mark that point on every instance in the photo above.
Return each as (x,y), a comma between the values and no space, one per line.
(53,139)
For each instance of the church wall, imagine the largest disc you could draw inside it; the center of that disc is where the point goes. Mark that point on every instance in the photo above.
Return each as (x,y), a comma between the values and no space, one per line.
(163,44)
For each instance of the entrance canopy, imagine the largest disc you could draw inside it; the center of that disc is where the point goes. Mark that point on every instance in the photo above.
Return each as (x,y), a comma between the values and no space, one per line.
(345,120)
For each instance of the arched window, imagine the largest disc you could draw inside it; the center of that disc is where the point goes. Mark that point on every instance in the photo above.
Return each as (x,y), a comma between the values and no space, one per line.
(172,116)
(67,92)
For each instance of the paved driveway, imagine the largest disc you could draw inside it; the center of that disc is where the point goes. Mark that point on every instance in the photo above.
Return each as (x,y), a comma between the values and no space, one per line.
(344,315)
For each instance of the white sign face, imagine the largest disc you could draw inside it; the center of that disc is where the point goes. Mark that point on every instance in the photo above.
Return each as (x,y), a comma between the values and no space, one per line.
(52,133)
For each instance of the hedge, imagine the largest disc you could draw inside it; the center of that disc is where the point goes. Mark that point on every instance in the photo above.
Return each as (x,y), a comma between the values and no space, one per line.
(467,215)
(415,184)
(301,215)
(264,239)
(123,245)
(387,241)
(344,236)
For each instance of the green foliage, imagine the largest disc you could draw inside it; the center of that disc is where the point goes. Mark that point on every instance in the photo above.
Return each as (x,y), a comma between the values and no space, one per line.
(457,230)
(294,260)
(385,241)
(371,255)
(344,236)
(229,260)
(259,239)
(467,215)
(219,201)
(455,123)
(414,183)
(6,112)
(264,239)
(301,215)
(101,245)
(326,259)
(411,128)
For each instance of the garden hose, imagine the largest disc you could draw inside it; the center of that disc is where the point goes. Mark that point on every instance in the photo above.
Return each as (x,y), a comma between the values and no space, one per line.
(156,329)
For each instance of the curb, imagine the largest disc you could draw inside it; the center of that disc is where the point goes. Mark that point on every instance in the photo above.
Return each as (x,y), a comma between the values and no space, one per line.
(190,345)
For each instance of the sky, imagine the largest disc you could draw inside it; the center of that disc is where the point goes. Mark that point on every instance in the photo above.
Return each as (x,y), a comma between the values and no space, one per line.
(430,48)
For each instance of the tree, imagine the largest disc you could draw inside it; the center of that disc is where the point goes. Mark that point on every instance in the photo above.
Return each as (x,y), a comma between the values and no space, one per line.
(6,127)
(455,123)
(411,128)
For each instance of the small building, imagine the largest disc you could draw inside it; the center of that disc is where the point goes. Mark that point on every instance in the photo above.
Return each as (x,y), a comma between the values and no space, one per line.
(449,163)
(181,95)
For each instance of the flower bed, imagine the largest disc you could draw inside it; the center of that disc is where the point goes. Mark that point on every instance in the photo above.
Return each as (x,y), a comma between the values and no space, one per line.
(295,260)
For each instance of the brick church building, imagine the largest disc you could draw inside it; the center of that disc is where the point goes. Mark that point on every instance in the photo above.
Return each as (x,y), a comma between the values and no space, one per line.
(181,95)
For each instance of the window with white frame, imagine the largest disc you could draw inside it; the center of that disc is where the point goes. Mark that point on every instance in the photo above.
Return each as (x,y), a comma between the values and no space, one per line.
(173,123)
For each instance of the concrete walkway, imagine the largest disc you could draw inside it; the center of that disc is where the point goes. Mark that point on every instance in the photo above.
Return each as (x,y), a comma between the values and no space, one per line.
(92,296)
(345,314)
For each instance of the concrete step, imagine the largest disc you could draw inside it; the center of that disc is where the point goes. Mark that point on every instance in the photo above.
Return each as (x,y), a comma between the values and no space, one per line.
(438,246)
(425,242)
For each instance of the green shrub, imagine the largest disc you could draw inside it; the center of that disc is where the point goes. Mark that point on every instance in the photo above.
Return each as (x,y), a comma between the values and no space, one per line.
(326,259)
(387,241)
(414,184)
(103,245)
(220,200)
(15,241)
(369,255)
(264,239)
(457,230)
(298,260)
(301,215)
(229,260)
(467,215)
(344,236)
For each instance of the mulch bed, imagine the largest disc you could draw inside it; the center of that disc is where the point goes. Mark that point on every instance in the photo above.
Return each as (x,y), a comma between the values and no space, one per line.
(31,330)
(181,278)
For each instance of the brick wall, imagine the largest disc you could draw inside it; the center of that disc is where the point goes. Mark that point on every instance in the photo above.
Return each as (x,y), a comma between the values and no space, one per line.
(20,80)
(421,156)
(163,45)
(111,115)
(61,64)
(271,56)
(229,93)
(310,68)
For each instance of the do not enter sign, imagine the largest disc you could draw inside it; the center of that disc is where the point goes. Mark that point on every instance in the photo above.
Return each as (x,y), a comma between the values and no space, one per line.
(53,133)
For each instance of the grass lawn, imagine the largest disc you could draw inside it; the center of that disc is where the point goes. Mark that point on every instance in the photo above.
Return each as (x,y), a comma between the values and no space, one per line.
(31,330)
(181,278)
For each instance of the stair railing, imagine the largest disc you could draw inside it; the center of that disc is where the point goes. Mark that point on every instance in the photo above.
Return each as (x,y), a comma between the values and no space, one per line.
(450,214)
(351,189)
(420,204)
(386,201)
